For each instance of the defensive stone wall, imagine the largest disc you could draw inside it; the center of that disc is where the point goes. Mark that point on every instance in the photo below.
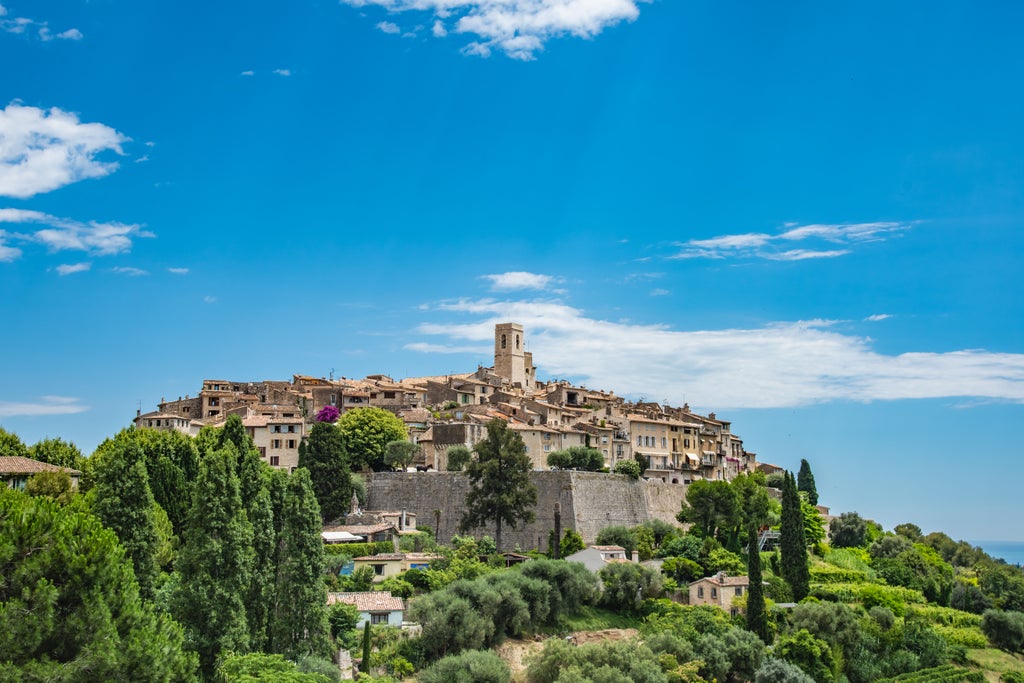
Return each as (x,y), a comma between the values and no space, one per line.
(590,502)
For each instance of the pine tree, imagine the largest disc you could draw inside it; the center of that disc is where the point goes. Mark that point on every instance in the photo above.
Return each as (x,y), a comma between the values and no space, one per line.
(300,619)
(500,477)
(794,548)
(124,504)
(322,453)
(805,482)
(215,563)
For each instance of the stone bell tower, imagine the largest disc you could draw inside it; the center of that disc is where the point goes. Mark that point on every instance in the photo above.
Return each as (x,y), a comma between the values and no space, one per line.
(509,353)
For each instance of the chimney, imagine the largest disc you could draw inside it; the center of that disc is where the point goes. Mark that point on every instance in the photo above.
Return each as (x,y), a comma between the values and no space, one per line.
(635,557)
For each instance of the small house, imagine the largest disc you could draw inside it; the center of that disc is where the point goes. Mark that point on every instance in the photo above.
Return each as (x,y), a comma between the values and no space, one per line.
(376,607)
(719,590)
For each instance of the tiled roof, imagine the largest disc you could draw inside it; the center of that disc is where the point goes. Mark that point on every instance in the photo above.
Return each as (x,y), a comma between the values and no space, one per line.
(369,601)
(383,557)
(14,464)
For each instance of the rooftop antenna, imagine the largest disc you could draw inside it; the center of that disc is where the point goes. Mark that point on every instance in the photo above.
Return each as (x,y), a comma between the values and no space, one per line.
(332,374)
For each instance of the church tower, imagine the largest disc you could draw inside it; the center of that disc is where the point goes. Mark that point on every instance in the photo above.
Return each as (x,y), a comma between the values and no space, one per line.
(509,353)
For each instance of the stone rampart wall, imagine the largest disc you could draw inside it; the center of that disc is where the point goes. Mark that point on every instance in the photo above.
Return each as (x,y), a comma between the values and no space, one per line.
(590,501)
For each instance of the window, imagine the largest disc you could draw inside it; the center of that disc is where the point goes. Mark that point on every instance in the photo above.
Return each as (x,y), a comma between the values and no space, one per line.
(276,429)
(389,394)
(664,442)
(639,441)
(378,569)
(686,443)
(291,429)
(739,591)
(714,593)
(381,618)
(263,451)
(291,443)
(214,401)
(604,439)
(700,591)
(502,341)
(275,461)
(517,341)
(275,443)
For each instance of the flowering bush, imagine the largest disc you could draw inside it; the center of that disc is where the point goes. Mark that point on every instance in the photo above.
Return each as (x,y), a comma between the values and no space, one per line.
(328,414)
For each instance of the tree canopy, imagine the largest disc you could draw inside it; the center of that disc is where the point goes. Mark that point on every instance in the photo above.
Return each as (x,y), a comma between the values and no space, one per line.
(501,491)
(88,622)
(365,434)
(805,482)
(577,458)
(322,454)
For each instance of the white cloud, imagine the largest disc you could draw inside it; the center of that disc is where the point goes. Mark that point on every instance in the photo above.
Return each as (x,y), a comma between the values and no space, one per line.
(877,317)
(50,405)
(43,150)
(69,268)
(439,30)
(70,34)
(144,157)
(20,25)
(660,292)
(519,280)
(388,27)
(178,271)
(785,364)
(209,299)
(761,245)
(518,27)
(248,72)
(7,254)
(101,239)
(128,270)
(283,72)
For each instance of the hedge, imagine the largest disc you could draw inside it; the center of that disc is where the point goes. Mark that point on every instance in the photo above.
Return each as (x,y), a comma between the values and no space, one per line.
(359,549)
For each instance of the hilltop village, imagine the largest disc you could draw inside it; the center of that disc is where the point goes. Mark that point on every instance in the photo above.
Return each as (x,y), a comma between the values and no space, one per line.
(676,445)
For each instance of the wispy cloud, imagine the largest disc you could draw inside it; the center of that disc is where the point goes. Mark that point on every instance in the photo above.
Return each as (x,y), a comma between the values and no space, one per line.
(128,270)
(48,405)
(7,254)
(248,72)
(59,234)
(42,150)
(503,282)
(758,245)
(519,28)
(786,364)
(25,26)
(209,299)
(69,268)
(659,292)
(877,317)
(178,271)
(283,72)
(388,27)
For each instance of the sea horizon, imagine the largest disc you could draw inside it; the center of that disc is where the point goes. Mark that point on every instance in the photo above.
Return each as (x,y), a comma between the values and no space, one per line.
(1010,551)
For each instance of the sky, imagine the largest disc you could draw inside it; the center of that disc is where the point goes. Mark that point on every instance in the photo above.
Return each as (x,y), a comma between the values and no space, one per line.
(804,217)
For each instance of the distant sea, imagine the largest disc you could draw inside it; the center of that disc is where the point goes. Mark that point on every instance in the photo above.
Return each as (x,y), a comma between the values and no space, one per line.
(1011,551)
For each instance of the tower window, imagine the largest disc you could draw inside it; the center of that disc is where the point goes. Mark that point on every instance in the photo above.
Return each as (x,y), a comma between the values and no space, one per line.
(517,341)
(502,341)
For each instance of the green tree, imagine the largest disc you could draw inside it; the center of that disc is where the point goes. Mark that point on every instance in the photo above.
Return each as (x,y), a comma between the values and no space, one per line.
(399,455)
(577,458)
(849,530)
(780,671)
(710,506)
(501,491)
(630,468)
(754,505)
(795,568)
(322,453)
(260,597)
(626,584)
(124,503)
(458,458)
(573,585)
(811,654)
(263,668)
(215,563)
(11,445)
(805,482)
(474,666)
(57,452)
(571,543)
(1005,629)
(365,434)
(910,531)
(300,620)
(53,485)
(87,620)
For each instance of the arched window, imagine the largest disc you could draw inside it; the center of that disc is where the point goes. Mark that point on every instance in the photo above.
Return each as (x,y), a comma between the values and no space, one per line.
(517,342)
(502,341)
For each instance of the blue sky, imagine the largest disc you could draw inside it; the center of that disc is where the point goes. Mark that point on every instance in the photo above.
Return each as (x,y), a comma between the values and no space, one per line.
(804,217)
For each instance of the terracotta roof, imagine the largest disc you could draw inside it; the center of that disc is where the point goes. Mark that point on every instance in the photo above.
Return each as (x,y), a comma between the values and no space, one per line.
(14,464)
(383,557)
(369,601)
(725,580)
(609,548)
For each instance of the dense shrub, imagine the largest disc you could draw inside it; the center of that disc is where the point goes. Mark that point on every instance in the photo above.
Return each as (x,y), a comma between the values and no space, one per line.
(474,666)
(780,671)
(1004,629)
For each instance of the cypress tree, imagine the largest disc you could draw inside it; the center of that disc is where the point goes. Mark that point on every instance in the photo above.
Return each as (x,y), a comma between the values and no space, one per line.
(322,453)
(757,621)
(300,619)
(805,482)
(794,548)
(259,600)
(215,563)
(124,503)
